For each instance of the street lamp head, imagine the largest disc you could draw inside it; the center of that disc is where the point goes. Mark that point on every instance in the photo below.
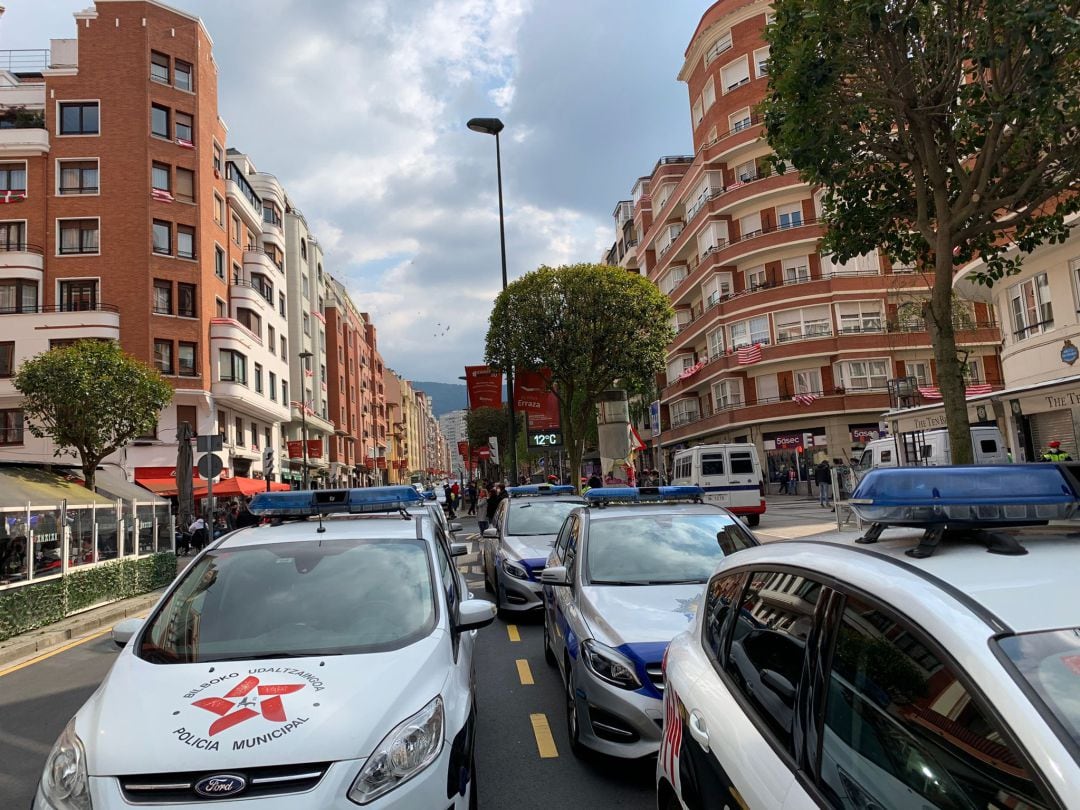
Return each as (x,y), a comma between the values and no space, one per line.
(487,126)
(305,355)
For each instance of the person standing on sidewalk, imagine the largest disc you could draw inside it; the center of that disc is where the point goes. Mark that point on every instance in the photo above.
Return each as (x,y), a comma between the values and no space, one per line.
(823,479)
(470,494)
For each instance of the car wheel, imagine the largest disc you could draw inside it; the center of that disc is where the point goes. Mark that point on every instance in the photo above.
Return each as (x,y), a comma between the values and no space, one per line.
(573,730)
(671,802)
(753,520)
(549,656)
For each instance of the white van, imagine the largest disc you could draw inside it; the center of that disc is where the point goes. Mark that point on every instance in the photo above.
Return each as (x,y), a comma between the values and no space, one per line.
(730,474)
(987,443)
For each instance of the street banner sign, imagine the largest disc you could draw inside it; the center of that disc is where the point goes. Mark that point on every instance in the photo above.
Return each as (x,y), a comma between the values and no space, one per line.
(314,448)
(484,387)
(654,417)
(533,397)
(296,449)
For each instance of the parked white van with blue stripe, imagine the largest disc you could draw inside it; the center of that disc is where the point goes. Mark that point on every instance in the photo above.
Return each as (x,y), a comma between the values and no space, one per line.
(730,474)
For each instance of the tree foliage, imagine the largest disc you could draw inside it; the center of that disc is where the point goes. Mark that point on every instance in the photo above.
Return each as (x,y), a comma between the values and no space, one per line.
(592,326)
(942,131)
(92,398)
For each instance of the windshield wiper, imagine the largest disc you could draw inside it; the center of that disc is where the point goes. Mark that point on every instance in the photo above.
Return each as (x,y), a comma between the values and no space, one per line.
(264,656)
(617,582)
(647,582)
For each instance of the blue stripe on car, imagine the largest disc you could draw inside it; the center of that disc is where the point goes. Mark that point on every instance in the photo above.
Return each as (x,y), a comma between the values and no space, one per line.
(644,653)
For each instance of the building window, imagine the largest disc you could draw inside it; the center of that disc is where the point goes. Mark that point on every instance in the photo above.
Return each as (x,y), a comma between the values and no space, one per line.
(239,424)
(159,120)
(767,387)
(79,118)
(78,177)
(303,249)
(761,62)
(740,120)
(254,436)
(219,210)
(232,366)
(271,337)
(756,278)
(862,375)
(1032,311)
(163,356)
(237,229)
(185,242)
(185,359)
(307,325)
(185,133)
(78,236)
(78,295)
(11,426)
(304,286)
(682,412)
(720,46)
(159,67)
(162,232)
(258,379)
(18,295)
(219,262)
(219,160)
(919,369)
(221,308)
(7,359)
(186,297)
(808,381)
(806,322)
(796,270)
(249,320)
(281,304)
(859,316)
(744,333)
(271,215)
(285,392)
(163,298)
(182,72)
(789,216)
(185,185)
(268,437)
(727,394)
(12,236)
(160,177)
(284,349)
(735,74)
(13,177)
(272,386)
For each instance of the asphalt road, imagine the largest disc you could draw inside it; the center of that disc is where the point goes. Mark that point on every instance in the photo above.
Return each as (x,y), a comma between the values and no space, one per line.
(37,700)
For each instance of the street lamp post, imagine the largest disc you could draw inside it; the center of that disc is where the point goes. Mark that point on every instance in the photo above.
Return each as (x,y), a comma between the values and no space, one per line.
(493,126)
(304,357)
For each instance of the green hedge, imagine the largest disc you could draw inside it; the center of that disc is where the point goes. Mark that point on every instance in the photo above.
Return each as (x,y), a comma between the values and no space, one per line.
(40,603)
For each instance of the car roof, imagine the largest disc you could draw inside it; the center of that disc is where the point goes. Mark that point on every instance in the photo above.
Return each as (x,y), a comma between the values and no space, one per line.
(650,509)
(1033,591)
(388,526)
(519,500)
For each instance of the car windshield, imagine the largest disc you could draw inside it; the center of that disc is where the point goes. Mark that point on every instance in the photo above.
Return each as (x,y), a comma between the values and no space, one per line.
(537,516)
(661,549)
(1049,662)
(283,600)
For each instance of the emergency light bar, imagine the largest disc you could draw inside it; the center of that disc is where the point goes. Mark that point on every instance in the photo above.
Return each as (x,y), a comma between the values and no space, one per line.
(305,503)
(970,499)
(684,494)
(529,490)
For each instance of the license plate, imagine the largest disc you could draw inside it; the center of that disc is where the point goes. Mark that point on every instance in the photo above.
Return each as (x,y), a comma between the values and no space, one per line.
(716,497)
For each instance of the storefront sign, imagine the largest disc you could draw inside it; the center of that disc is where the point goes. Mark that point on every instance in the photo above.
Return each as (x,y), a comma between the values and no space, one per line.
(864,433)
(787,441)
(484,387)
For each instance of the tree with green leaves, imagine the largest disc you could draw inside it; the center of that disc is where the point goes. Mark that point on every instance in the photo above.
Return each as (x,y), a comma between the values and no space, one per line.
(92,398)
(943,131)
(483,423)
(592,326)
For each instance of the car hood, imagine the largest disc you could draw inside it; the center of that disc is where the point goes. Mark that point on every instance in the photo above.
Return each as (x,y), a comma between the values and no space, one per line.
(156,718)
(532,548)
(631,614)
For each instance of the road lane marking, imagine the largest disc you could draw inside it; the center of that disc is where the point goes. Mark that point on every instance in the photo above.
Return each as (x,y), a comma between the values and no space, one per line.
(512,631)
(545,743)
(55,651)
(524,673)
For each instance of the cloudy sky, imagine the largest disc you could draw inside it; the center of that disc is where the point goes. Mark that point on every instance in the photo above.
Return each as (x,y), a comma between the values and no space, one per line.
(359,106)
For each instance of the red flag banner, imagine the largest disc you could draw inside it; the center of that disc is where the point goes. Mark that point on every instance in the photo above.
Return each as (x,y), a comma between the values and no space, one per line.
(314,448)
(296,449)
(533,397)
(484,386)
(463,449)
(746,355)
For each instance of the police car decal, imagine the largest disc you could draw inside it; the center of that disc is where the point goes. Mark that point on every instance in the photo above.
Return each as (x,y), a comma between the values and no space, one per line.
(687,607)
(247,696)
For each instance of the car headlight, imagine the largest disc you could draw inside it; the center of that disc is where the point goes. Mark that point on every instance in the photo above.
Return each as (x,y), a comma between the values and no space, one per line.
(609,665)
(65,784)
(515,570)
(413,745)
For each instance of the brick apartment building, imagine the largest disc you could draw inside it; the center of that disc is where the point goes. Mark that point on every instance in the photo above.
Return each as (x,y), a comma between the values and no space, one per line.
(776,343)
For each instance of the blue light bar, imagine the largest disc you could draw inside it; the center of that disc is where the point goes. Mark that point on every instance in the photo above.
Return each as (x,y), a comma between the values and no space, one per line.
(528,490)
(692,494)
(304,503)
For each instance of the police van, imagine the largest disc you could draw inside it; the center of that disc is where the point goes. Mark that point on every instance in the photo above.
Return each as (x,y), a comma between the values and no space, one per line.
(730,474)
(931,449)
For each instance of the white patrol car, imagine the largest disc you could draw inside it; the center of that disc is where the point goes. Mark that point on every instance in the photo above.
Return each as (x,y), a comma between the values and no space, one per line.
(911,671)
(515,548)
(305,664)
(626,575)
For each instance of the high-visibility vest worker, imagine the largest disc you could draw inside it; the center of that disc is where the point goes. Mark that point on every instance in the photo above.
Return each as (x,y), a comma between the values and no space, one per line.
(1055,453)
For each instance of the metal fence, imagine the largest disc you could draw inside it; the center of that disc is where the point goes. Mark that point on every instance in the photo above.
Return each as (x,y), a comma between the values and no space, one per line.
(39,542)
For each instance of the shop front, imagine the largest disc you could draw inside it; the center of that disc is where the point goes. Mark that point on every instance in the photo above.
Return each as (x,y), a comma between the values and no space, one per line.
(794,451)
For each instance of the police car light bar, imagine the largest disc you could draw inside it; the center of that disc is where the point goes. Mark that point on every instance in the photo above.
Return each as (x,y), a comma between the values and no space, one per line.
(684,494)
(528,490)
(304,503)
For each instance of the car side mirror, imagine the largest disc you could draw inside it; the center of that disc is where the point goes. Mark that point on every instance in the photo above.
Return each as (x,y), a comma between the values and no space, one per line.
(771,679)
(474,614)
(555,575)
(123,632)
(455,527)
(458,550)
(491,532)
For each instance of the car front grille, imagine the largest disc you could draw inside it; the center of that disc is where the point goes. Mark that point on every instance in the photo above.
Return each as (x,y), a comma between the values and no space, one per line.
(276,780)
(656,675)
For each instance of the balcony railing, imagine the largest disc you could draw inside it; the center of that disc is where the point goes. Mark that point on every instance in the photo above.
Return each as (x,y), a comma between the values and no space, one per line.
(41,308)
(804,334)
(262,289)
(20,247)
(24,60)
(707,410)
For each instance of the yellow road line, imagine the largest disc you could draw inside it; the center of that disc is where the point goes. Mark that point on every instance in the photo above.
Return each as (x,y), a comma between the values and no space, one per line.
(545,743)
(54,651)
(512,631)
(524,673)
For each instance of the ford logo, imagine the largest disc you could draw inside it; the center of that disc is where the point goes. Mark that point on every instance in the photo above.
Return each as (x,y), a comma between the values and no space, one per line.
(220,785)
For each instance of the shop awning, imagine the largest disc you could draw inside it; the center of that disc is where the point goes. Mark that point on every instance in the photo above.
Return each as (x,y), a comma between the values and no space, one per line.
(112,484)
(40,486)
(238,485)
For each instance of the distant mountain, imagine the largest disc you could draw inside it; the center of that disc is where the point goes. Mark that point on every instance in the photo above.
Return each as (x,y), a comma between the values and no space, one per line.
(445,397)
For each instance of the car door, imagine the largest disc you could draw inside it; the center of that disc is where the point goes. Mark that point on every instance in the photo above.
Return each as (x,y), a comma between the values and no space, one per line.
(564,615)
(558,554)
(743,717)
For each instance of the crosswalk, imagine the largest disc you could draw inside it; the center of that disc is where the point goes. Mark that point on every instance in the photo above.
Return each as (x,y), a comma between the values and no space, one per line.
(469,565)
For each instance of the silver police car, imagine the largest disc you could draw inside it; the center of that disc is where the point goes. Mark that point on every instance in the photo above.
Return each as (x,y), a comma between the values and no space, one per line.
(626,575)
(515,548)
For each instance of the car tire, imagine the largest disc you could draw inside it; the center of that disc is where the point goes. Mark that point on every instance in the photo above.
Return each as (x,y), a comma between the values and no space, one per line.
(753,520)
(549,656)
(573,730)
(671,801)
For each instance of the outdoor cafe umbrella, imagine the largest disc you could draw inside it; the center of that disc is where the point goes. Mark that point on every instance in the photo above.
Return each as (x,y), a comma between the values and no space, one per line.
(184,496)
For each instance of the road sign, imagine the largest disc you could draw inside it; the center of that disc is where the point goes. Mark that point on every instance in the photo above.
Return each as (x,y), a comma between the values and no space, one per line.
(210,466)
(208,444)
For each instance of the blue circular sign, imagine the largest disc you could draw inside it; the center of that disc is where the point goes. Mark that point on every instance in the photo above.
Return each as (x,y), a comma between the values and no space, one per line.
(220,785)
(1069,353)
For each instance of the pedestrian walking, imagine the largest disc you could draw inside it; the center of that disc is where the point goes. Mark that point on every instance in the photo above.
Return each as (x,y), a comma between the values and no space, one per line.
(783,478)
(493,499)
(199,534)
(793,481)
(823,479)
(471,493)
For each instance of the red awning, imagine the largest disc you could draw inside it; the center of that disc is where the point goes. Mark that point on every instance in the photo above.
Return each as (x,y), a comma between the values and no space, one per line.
(238,485)
(166,487)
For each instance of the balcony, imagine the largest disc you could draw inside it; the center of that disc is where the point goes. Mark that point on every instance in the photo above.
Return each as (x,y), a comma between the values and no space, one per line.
(228,333)
(258,260)
(21,260)
(259,297)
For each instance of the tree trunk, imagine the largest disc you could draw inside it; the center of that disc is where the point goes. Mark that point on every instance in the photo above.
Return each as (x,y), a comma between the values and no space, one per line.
(949,370)
(89,471)
(573,443)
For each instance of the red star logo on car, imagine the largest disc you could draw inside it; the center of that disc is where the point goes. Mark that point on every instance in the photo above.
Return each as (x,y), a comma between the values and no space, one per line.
(241,699)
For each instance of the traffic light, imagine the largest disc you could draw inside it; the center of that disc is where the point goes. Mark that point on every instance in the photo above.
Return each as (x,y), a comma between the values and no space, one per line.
(268,462)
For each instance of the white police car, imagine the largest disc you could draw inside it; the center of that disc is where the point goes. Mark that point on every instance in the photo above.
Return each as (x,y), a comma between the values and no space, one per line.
(626,575)
(914,671)
(306,664)
(515,547)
